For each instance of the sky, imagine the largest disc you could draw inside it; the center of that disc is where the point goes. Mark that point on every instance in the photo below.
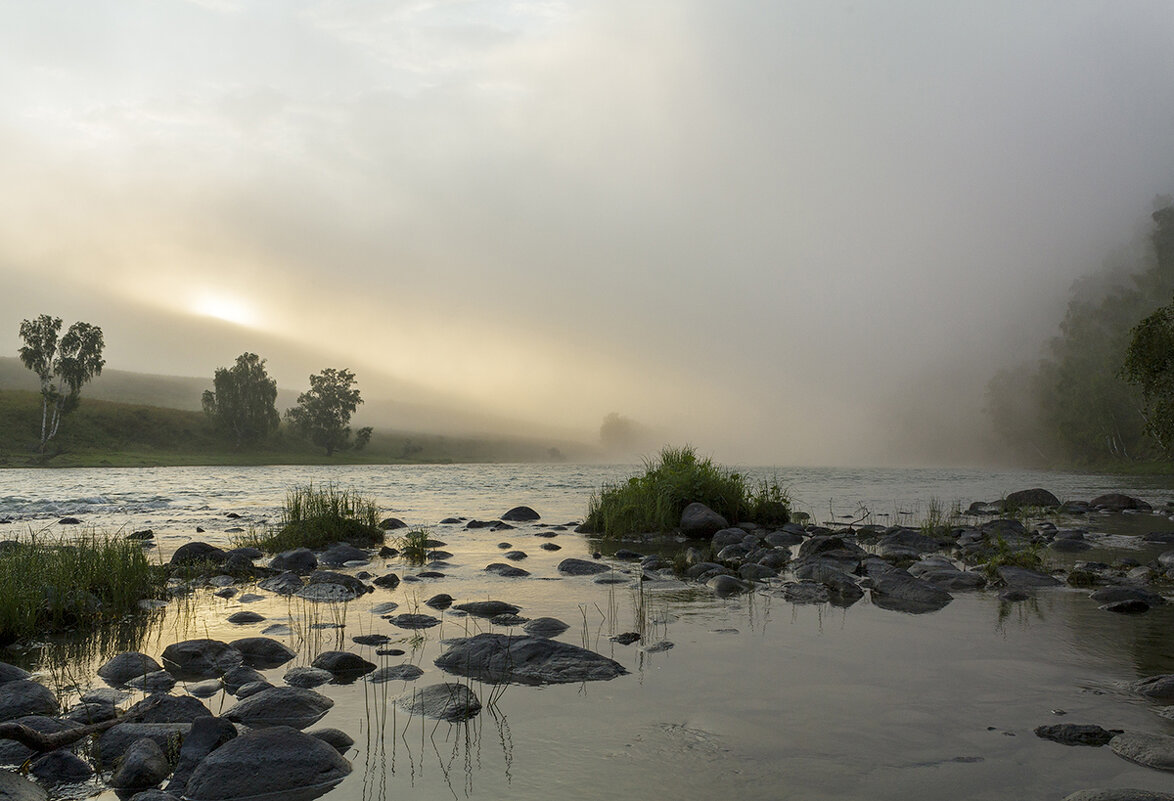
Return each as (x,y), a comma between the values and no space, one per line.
(787,232)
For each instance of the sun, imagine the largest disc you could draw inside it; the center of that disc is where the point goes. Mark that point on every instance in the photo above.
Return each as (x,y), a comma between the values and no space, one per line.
(224,306)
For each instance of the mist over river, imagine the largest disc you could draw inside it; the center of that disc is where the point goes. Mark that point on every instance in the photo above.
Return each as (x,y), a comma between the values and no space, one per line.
(755,698)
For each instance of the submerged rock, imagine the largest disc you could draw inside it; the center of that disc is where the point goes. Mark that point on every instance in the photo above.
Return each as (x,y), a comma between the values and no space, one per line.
(267,762)
(901,592)
(410,621)
(286,583)
(1151,750)
(115,740)
(545,627)
(487,608)
(1022,577)
(500,658)
(1076,734)
(295,707)
(582,567)
(449,701)
(404,672)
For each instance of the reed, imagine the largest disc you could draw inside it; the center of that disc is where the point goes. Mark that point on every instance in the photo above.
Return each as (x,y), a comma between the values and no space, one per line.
(317,517)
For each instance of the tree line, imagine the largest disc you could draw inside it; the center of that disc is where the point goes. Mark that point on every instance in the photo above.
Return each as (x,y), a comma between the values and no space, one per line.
(242,404)
(1104,391)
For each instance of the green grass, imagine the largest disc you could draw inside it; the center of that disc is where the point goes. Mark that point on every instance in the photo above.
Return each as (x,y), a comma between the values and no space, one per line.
(653,502)
(1030,558)
(50,585)
(413,545)
(317,517)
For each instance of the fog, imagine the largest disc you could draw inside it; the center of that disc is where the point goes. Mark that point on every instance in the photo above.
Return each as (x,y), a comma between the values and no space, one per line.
(789,233)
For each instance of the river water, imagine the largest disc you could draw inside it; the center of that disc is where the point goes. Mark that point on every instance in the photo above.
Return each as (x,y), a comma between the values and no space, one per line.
(757,698)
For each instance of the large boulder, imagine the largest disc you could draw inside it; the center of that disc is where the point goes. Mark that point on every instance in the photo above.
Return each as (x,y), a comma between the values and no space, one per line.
(206,736)
(12,673)
(299,560)
(1117,502)
(194,553)
(1151,750)
(1036,497)
(286,583)
(200,659)
(487,608)
(59,767)
(160,708)
(27,697)
(698,521)
(262,652)
(115,740)
(499,659)
(267,762)
(342,664)
(14,787)
(449,701)
(126,666)
(582,567)
(294,707)
(899,591)
(522,514)
(143,765)
(341,554)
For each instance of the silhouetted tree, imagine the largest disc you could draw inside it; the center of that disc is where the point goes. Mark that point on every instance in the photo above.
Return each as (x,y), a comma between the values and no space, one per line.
(62,365)
(322,413)
(243,401)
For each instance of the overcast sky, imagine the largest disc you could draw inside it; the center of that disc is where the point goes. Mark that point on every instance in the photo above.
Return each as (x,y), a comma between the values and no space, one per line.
(769,228)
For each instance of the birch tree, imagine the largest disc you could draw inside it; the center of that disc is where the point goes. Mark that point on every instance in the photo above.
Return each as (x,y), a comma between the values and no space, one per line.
(63,364)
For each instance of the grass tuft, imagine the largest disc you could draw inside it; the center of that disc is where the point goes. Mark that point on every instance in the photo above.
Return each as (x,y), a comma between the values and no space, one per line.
(654,501)
(413,545)
(317,517)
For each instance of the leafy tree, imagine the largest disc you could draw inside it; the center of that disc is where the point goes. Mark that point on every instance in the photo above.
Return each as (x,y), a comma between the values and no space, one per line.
(363,437)
(1149,364)
(243,401)
(322,413)
(63,365)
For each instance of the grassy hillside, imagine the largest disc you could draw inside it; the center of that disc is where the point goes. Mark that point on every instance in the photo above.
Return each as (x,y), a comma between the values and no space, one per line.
(105,433)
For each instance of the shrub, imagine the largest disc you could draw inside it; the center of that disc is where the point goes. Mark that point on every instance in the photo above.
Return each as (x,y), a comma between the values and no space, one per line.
(654,501)
(317,517)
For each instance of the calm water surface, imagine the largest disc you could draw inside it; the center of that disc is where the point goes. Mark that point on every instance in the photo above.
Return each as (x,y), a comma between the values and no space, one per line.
(758,698)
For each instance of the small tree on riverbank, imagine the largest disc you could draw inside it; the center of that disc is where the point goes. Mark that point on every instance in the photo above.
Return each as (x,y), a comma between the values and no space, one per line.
(243,401)
(324,412)
(1149,364)
(64,365)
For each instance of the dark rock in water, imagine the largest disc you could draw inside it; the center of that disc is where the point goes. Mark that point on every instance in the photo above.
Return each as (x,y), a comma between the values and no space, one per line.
(1108,595)
(143,765)
(306,677)
(1166,537)
(206,736)
(439,601)
(404,672)
(1004,527)
(145,534)
(498,658)
(545,627)
(506,571)
(69,521)
(449,701)
(299,560)
(1160,687)
(955,580)
(508,620)
(194,553)
(262,653)
(1022,577)
(726,586)
(115,740)
(626,554)
(627,638)
(343,664)
(252,688)
(698,521)
(387,582)
(226,592)
(523,514)
(806,592)
(725,537)
(487,608)
(658,647)
(200,659)
(371,639)
(271,761)
(161,708)
(205,689)
(899,591)
(125,666)
(342,579)
(1076,734)
(14,787)
(238,677)
(1119,794)
(247,552)
(1130,607)
(414,621)
(842,587)
(1074,508)
(337,739)
(481,523)
(341,554)
(281,706)
(27,697)
(907,541)
(550,546)
(1070,546)
(286,583)
(58,767)
(158,682)
(429,574)
(1014,594)
(13,753)
(13,673)
(390,651)
(1031,498)
(1117,502)
(1151,750)
(452,521)
(515,556)
(327,593)
(245,617)
(581,567)
(392,523)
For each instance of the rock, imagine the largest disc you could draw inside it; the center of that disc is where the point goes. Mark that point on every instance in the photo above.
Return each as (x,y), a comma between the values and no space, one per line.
(27,697)
(13,753)
(153,795)
(252,688)
(413,621)
(115,740)
(300,560)
(158,682)
(160,708)
(143,765)
(550,546)
(371,639)
(515,556)
(545,627)
(1014,594)
(392,523)
(626,638)
(1030,498)
(806,592)
(281,706)
(499,658)
(243,617)
(194,553)
(69,521)
(262,653)
(1151,750)
(13,673)
(327,593)
(506,571)
(269,761)
(439,601)
(1108,595)
(1022,577)
(1130,607)
(59,767)
(1117,502)
(385,608)
(387,582)
(206,736)
(341,554)
(332,577)
(1160,687)
(343,664)
(404,672)
(698,521)
(726,586)
(487,608)
(658,647)
(14,787)
(582,567)
(1070,546)
(306,677)
(1075,734)
(205,689)
(625,554)
(337,739)
(125,666)
(523,514)
(200,659)
(899,591)
(238,677)
(450,701)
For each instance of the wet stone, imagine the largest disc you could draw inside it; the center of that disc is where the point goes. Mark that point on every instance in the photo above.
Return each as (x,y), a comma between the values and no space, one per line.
(449,701)
(404,672)
(307,677)
(413,621)
(439,601)
(296,707)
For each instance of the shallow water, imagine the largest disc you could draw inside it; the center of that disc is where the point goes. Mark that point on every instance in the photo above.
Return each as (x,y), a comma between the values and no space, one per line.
(758,698)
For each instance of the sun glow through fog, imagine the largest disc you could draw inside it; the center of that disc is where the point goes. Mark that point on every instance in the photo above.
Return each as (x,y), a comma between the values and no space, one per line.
(224,307)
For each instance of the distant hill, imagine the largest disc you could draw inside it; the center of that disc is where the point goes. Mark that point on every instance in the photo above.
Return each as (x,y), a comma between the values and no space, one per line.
(168,391)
